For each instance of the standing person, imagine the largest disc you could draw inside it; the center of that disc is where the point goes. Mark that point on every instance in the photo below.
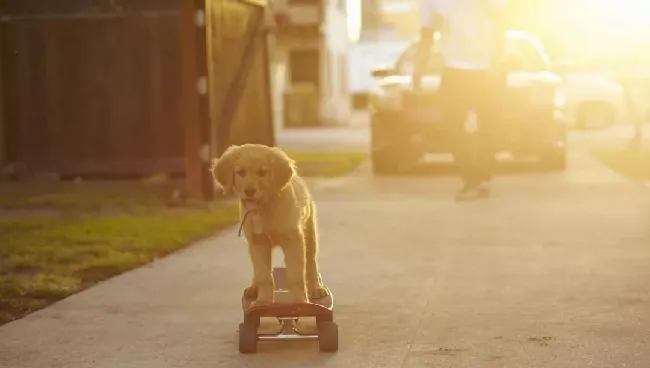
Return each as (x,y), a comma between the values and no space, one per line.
(472,42)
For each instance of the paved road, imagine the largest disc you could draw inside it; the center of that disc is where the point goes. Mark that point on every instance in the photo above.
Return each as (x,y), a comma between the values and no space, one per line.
(357,137)
(326,139)
(552,272)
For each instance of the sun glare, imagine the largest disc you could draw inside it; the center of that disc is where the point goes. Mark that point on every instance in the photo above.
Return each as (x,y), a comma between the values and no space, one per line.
(590,29)
(622,16)
(354,19)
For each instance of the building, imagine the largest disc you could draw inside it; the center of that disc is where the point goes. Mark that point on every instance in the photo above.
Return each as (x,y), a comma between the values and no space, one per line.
(401,16)
(390,19)
(309,62)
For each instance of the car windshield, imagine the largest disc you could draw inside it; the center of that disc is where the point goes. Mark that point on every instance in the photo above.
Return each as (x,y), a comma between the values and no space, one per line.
(521,54)
(405,62)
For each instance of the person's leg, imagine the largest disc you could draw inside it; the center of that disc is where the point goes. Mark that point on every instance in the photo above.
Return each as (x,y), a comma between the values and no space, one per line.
(490,106)
(454,107)
(462,94)
(471,138)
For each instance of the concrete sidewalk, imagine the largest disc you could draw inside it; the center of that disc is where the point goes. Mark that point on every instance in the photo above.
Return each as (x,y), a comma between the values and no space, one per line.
(617,136)
(552,272)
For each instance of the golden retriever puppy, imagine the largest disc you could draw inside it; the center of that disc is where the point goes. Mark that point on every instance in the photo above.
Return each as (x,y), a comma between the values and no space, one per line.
(276,209)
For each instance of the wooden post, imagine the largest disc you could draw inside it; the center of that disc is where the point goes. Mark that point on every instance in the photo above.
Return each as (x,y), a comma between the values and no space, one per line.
(155,95)
(268,83)
(194,97)
(3,145)
(52,122)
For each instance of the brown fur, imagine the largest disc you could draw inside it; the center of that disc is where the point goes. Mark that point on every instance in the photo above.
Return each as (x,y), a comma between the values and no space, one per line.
(284,212)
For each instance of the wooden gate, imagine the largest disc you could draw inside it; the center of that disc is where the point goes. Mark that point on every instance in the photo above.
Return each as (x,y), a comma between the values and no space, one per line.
(238,65)
(231,58)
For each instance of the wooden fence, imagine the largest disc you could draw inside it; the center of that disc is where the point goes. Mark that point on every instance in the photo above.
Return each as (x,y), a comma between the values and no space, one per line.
(93,86)
(3,138)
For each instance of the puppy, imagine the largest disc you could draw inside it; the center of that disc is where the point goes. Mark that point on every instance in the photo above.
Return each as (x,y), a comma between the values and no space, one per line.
(276,209)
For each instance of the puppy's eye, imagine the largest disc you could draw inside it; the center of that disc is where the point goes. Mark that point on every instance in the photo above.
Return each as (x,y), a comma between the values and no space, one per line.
(262,172)
(241,172)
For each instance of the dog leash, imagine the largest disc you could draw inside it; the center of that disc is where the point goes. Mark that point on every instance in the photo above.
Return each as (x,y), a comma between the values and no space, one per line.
(241,226)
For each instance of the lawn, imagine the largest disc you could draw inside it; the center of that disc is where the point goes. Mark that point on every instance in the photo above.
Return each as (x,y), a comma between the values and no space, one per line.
(634,164)
(327,164)
(58,238)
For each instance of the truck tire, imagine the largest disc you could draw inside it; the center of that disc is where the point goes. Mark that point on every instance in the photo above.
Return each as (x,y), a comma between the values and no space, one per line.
(391,153)
(555,159)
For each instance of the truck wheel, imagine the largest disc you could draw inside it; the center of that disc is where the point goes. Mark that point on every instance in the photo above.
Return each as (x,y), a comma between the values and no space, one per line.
(391,153)
(555,159)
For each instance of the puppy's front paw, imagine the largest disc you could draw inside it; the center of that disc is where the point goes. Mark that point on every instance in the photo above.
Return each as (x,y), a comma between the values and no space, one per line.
(260,302)
(251,292)
(264,296)
(318,292)
(299,296)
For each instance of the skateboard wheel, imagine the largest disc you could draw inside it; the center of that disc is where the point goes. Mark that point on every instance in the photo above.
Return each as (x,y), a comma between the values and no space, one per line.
(321,319)
(247,338)
(252,321)
(328,337)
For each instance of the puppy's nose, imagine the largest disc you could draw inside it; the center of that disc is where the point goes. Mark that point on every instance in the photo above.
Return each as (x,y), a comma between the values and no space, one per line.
(249,192)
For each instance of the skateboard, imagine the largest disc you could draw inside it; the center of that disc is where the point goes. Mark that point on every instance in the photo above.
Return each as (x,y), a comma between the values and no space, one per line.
(288,314)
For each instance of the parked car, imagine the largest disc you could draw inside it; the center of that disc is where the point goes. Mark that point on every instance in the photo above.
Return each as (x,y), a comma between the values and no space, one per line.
(405,124)
(593,99)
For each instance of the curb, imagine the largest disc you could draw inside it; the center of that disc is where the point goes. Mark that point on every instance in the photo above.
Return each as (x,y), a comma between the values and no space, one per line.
(641,183)
(339,181)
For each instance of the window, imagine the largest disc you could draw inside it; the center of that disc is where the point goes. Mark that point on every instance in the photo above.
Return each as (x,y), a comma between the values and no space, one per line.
(521,53)
(524,54)
(329,88)
(304,66)
(343,75)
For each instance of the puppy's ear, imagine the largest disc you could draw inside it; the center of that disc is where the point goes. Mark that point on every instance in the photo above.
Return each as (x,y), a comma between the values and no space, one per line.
(283,168)
(223,167)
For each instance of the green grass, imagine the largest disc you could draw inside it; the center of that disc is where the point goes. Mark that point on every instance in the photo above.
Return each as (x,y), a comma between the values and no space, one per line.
(327,164)
(44,259)
(634,164)
(58,238)
(67,196)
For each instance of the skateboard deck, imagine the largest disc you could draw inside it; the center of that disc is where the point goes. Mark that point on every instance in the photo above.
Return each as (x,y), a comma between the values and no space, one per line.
(283,307)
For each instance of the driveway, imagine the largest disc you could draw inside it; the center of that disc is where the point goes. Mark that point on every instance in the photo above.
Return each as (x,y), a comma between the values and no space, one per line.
(551,272)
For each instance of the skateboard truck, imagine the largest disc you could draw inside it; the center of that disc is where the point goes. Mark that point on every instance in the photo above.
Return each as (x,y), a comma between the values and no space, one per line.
(288,314)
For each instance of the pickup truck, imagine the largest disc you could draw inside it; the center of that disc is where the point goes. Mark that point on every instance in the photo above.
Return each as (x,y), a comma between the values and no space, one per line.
(406,124)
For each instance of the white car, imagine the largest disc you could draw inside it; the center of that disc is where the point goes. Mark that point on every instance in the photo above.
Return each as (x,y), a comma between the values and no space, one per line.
(592,100)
